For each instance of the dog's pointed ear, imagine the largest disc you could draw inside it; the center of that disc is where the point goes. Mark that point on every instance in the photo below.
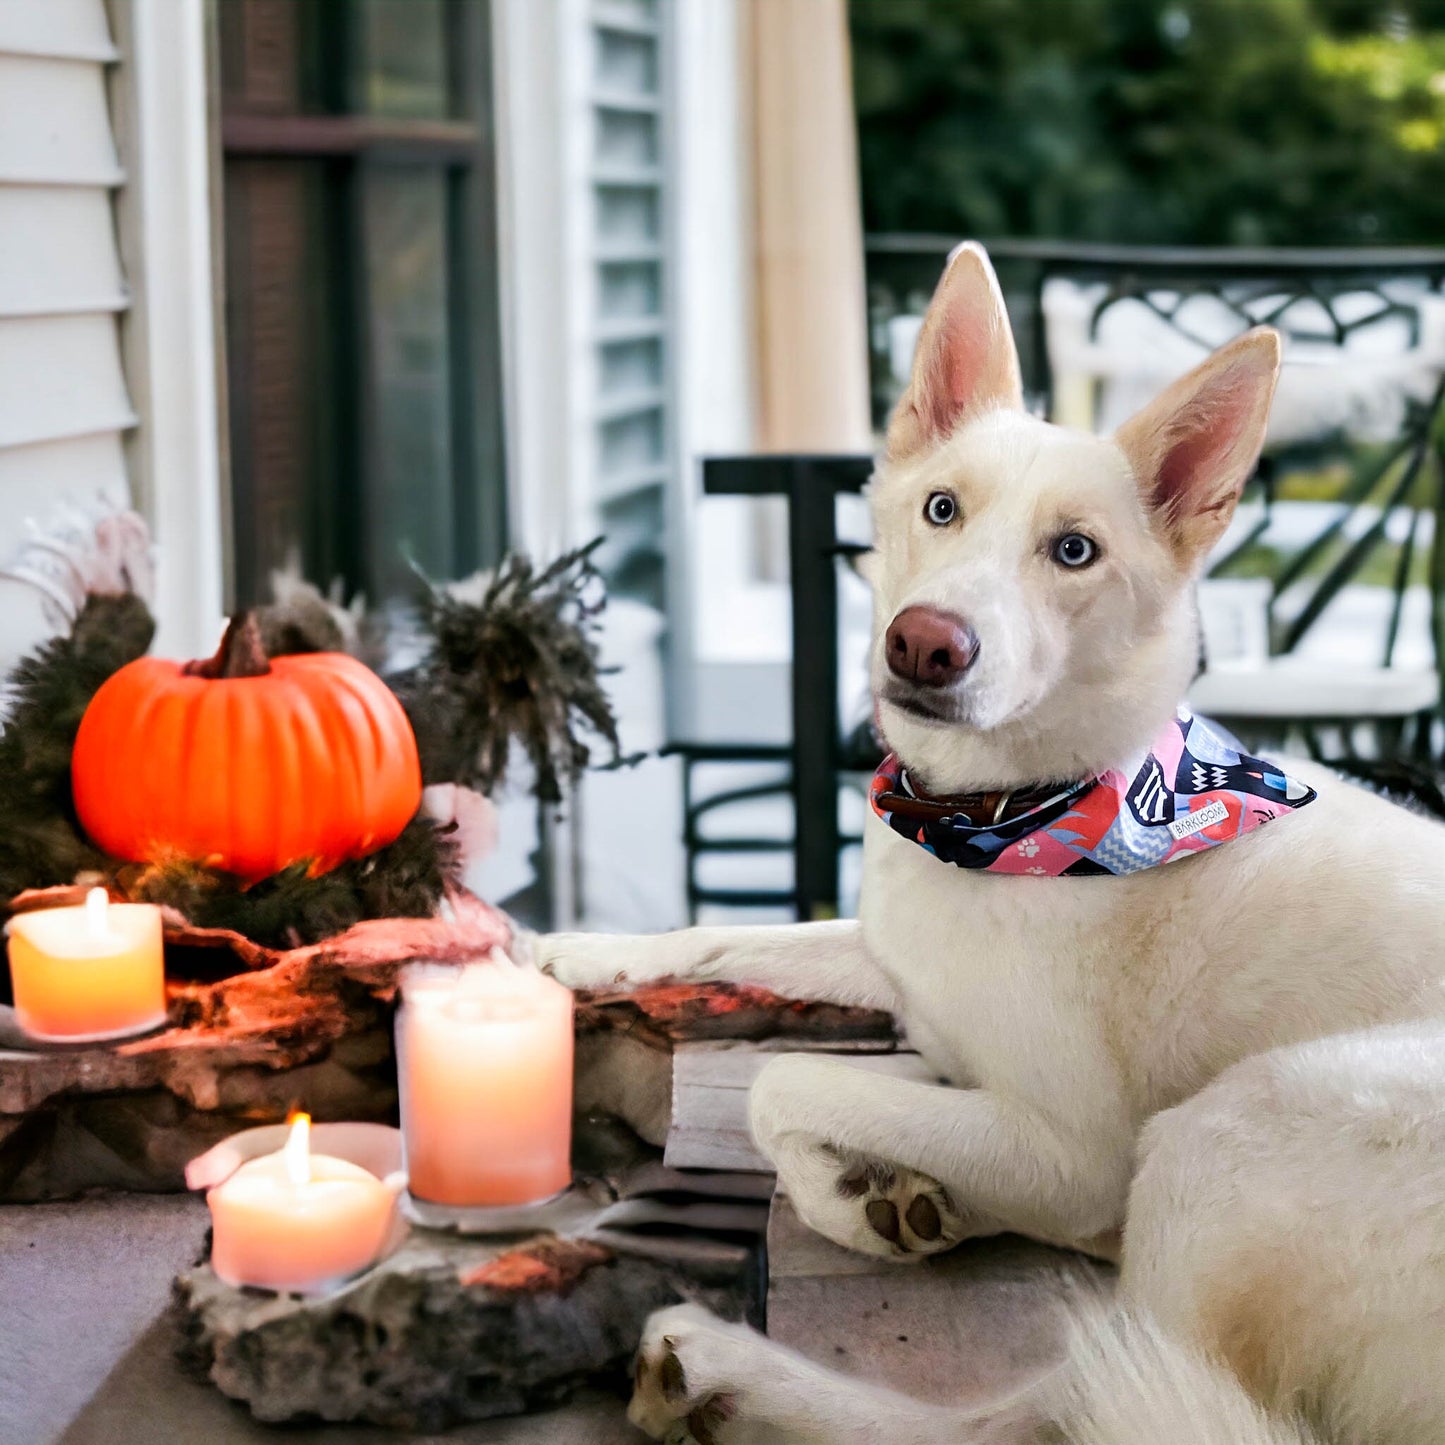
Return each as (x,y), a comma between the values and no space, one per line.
(965,362)
(1194,446)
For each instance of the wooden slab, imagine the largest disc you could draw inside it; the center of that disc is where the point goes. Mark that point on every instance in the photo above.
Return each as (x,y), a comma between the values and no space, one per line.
(959,1327)
(628,1046)
(710,1083)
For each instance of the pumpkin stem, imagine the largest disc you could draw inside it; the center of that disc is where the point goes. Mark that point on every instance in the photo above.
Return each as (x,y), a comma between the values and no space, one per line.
(241,653)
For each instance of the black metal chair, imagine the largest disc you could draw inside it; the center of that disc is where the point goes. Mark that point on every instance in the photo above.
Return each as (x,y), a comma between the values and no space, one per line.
(811,763)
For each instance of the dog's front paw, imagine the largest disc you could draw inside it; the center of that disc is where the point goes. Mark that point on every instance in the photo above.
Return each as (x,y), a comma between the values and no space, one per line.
(868,1205)
(909,1213)
(845,1194)
(581,960)
(690,1374)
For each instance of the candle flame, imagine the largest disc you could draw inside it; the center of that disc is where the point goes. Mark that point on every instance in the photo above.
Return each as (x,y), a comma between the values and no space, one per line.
(97,907)
(297,1152)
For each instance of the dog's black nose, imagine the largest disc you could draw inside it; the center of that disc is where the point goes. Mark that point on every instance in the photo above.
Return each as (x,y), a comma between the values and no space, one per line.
(930,647)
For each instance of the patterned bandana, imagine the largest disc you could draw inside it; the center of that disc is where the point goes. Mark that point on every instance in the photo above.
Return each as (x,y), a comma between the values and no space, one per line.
(1194,790)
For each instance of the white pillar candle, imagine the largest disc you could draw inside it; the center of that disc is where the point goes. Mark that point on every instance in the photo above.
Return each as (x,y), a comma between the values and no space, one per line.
(89,972)
(484,1057)
(295,1221)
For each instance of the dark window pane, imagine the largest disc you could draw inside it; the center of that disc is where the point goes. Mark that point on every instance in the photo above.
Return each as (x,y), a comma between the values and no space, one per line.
(410,501)
(260,55)
(362,338)
(276,322)
(403,57)
(279,57)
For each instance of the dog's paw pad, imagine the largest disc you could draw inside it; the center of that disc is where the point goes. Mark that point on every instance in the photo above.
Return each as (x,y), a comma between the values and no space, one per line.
(882,1214)
(906,1210)
(924,1219)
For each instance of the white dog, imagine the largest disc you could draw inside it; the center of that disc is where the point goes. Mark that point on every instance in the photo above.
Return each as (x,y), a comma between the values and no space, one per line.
(1234,1060)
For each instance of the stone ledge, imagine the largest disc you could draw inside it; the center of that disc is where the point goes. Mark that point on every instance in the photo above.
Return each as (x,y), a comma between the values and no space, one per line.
(446,1330)
(452,1329)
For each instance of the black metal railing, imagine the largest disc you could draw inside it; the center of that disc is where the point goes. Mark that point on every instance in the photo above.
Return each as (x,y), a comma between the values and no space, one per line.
(902,271)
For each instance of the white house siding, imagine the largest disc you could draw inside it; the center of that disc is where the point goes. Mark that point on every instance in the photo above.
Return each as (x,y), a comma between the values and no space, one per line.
(63,398)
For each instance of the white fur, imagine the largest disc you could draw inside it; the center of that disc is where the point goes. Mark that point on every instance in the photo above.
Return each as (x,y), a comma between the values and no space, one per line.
(1244,1039)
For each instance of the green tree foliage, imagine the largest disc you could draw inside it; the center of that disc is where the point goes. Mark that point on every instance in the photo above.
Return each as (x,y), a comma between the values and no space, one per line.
(1232,122)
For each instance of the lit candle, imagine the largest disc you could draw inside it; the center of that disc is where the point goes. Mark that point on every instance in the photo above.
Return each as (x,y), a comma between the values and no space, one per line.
(297,1221)
(484,1058)
(94,971)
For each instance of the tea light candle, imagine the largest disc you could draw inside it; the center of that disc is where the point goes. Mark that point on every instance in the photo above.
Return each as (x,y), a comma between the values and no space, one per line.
(484,1059)
(295,1221)
(87,973)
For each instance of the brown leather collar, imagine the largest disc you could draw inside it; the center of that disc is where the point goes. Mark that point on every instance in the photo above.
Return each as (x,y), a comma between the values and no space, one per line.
(979,810)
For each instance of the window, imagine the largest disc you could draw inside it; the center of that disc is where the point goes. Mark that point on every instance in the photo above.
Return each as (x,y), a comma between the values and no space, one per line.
(361,290)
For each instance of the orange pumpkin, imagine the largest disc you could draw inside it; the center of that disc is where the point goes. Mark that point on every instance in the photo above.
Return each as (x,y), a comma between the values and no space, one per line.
(245,763)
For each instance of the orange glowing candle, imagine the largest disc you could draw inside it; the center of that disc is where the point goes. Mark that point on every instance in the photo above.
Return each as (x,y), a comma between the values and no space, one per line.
(297,1221)
(484,1059)
(95,971)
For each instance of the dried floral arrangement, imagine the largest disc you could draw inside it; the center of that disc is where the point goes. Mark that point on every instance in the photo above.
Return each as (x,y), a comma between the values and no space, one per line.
(508,656)
(512,657)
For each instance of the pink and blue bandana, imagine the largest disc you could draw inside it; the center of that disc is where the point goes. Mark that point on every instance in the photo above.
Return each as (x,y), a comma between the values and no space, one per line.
(1194,790)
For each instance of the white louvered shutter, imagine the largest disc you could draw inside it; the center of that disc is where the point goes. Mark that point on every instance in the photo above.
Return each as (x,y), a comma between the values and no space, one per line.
(632,402)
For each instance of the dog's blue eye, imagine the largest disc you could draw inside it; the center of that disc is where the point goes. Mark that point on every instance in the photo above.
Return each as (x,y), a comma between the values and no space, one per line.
(1074,549)
(941,509)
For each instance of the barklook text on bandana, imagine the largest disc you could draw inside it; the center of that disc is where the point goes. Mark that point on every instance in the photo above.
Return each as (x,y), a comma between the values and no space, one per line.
(1194,790)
